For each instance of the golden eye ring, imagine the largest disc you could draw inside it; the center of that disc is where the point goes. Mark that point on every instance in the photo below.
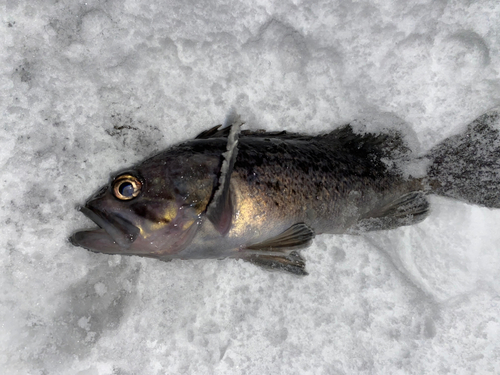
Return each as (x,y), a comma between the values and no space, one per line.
(126,187)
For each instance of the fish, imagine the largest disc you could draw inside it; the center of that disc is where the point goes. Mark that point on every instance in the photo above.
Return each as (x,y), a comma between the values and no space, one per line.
(263,196)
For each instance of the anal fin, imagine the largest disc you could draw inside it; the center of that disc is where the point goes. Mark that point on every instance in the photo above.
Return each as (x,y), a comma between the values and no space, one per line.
(408,209)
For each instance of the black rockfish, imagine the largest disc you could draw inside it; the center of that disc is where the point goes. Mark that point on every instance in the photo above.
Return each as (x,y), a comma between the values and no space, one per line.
(260,196)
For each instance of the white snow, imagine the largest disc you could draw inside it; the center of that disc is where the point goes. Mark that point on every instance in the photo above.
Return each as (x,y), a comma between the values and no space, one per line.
(88,88)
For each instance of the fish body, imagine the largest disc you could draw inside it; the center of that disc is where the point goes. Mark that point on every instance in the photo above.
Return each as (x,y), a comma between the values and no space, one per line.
(261,196)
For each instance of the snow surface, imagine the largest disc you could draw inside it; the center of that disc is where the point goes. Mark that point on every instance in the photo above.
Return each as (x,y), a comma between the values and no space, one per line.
(88,88)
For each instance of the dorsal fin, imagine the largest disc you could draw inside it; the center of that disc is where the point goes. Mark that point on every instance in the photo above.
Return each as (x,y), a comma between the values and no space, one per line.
(214,132)
(389,144)
(220,210)
(219,131)
(385,144)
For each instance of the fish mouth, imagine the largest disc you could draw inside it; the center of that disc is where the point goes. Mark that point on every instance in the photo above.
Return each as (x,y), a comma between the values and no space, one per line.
(115,234)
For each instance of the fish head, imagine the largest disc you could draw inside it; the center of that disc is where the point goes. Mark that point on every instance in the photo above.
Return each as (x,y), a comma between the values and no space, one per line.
(152,211)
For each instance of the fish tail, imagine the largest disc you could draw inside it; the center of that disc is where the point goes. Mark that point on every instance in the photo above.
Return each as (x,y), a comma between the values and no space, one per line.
(467,166)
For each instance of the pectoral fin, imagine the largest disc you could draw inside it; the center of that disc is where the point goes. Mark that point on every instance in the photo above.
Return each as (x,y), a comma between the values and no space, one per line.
(297,236)
(264,253)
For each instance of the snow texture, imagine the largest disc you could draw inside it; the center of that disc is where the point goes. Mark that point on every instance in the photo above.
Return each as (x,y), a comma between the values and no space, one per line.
(88,88)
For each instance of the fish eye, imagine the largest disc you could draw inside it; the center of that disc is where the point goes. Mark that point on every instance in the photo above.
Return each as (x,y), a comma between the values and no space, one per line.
(126,187)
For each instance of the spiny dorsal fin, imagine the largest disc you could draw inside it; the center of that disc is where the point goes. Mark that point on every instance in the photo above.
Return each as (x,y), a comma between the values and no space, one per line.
(220,210)
(296,237)
(214,132)
(219,131)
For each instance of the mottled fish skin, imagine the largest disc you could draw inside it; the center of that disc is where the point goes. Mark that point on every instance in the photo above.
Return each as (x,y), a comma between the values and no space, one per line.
(266,193)
(321,181)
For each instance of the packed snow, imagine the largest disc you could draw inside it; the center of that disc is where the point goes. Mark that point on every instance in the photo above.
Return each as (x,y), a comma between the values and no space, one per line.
(89,88)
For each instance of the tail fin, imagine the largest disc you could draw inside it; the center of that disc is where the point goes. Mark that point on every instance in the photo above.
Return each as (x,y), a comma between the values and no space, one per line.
(467,166)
